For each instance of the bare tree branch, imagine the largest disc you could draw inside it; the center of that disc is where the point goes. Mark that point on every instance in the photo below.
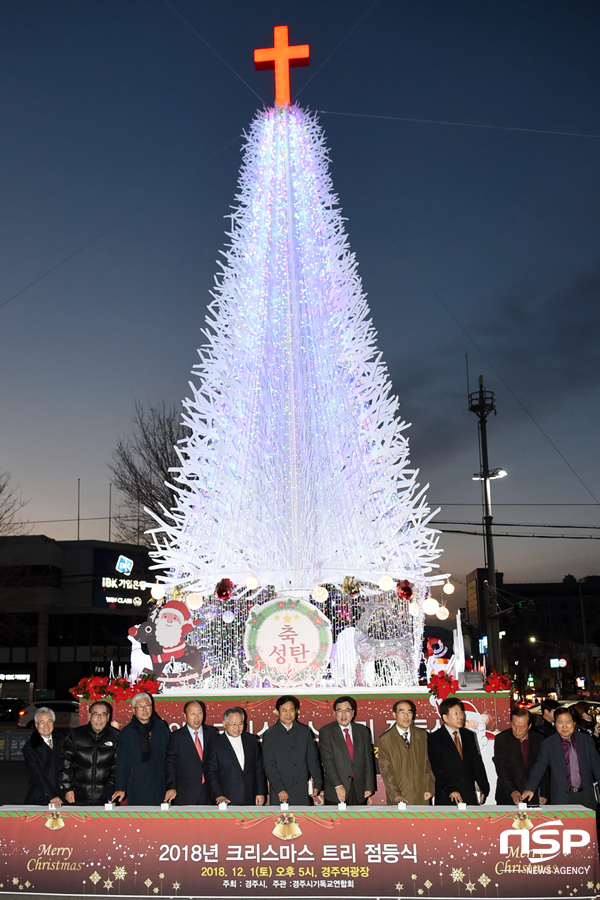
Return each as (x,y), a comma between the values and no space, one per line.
(11,504)
(140,468)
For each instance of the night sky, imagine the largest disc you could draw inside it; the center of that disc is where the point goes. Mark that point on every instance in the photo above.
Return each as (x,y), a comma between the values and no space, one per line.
(475,228)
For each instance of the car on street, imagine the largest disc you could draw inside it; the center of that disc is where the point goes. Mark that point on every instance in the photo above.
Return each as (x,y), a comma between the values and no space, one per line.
(66,712)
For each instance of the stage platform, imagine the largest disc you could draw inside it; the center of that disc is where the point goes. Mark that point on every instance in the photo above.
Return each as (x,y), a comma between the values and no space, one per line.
(310,853)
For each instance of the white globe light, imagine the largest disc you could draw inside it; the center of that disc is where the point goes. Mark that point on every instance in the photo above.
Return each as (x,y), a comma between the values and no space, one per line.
(448,588)
(443,613)
(414,608)
(430,606)
(320,594)
(194,601)
(228,616)
(252,582)
(157,591)
(386,583)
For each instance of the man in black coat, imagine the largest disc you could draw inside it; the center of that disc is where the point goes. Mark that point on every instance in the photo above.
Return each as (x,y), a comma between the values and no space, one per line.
(42,757)
(235,768)
(574,764)
(188,751)
(87,763)
(515,752)
(455,758)
(347,755)
(545,725)
(290,757)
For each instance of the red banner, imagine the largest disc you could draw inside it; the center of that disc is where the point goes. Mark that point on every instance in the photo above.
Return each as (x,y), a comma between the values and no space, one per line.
(306,853)
(490,711)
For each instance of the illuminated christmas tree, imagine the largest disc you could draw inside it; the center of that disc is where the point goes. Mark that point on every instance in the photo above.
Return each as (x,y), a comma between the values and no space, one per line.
(296,472)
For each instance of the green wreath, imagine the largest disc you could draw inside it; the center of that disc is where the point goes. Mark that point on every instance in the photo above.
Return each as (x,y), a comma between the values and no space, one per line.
(258,616)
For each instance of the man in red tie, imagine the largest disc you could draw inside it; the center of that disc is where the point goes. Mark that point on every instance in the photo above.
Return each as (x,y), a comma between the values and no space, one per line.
(456,759)
(187,752)
(347,755)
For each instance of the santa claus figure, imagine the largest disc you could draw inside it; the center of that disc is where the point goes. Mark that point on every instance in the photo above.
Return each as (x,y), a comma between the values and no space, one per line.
(164,635)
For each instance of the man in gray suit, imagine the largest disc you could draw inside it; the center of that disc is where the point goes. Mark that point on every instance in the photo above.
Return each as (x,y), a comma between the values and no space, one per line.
(574,764)
(347,756)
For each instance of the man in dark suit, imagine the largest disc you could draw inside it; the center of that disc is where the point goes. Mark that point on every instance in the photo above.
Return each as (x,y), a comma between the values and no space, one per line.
(347,756)
(42,757)
(235,769)
(290,757)
(403,760)
(574,764)
(187,754)
(545,725)
(455,758)
(515,753)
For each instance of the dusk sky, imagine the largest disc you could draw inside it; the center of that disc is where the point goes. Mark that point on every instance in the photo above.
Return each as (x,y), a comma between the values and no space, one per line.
(465,150)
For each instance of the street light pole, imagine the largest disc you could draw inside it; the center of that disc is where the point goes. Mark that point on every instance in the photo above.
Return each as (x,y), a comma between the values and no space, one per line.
(482,404)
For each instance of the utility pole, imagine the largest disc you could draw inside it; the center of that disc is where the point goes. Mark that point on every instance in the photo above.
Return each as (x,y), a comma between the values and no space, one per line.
(481,403)
(588,676)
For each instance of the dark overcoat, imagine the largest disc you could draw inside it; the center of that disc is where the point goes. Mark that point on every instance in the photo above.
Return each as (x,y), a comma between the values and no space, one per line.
(42,768)
(290,758)
(143,782)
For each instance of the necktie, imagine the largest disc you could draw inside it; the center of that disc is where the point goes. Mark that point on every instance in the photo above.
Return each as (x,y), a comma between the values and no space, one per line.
(50,743)
(525,749)
(405,738)
(198,747)
(458,744)
(349,744)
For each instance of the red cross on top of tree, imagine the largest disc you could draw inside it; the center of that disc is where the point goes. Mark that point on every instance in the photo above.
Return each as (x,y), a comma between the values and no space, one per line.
(280,57)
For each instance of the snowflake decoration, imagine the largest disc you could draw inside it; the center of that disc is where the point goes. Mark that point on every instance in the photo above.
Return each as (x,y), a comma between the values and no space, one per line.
(399,887)
(457,875)
(176,885)
(94,878)
(428,884)
(484,880)
(120,873)
(470,886)
(148,883)
(108,884)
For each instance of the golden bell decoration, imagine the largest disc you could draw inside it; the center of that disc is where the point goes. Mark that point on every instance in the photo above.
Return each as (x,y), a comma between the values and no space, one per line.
(54,821)
(522,822)
(286,827)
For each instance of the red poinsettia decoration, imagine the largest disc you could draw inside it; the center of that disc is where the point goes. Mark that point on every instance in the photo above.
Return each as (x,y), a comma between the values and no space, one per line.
(99,687)
(496,683)
(442,684)
(224,588)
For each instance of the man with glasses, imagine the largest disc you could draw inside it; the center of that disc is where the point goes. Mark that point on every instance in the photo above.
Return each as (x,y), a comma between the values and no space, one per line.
(87,764)
(403,760)
(235,769)
(347,755)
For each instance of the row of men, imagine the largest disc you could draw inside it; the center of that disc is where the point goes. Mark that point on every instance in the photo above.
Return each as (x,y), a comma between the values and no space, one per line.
(195,765)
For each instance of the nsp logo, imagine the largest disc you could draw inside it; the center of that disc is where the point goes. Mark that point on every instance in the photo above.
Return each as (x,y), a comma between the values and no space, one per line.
(548,839)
